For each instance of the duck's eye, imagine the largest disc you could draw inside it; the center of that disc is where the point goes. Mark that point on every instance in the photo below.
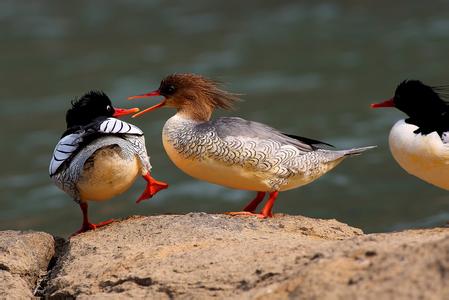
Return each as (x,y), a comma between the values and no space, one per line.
(109,108)
(170,89)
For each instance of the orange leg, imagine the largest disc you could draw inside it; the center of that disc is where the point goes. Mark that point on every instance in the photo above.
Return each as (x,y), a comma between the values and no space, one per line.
(251,207)
(266,211)
(153,186)
(86,226)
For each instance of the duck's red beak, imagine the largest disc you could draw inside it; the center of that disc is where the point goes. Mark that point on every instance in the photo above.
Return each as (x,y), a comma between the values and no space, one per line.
(150,94)
(387,103)
(123,112)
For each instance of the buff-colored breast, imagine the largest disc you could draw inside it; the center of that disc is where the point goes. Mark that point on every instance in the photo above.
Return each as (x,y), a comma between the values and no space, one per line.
(107,173)
(424,156)
(214,171)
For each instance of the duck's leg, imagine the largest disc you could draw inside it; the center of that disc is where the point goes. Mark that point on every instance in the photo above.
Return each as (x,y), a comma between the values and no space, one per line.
(86,226)
(266,211)
(153,186)
(250,208)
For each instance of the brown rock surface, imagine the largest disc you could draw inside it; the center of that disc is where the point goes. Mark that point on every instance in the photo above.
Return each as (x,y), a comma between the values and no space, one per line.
(413,264)
(24,257)
(201,256)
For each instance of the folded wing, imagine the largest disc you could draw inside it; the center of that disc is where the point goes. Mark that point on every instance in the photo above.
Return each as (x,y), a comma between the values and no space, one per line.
(238,127)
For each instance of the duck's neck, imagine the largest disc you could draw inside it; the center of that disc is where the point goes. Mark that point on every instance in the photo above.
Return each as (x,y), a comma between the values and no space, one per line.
(180,122)
(195,112)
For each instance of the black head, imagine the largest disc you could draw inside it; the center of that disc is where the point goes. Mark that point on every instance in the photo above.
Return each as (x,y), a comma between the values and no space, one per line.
(417,99)
(93,105)
(90,106)
(424,105)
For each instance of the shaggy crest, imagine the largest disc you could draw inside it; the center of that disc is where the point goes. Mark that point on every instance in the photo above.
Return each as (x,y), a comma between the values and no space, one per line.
(194,86)
(78,103)
(417,89)
(84,109)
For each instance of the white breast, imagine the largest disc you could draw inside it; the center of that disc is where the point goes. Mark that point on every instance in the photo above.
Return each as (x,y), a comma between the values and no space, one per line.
(424,156)
(108,175)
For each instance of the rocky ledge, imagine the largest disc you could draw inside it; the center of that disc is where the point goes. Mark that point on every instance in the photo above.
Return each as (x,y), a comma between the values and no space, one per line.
(198,256)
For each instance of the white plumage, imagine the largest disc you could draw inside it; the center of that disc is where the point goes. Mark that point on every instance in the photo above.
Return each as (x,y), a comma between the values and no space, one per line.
(424,156)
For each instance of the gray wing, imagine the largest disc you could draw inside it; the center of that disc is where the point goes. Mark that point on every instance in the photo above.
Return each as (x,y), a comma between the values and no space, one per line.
(138,145)
(238,127)
(64,150)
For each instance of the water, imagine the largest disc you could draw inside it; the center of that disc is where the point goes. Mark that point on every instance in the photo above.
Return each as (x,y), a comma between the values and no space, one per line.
(309,68)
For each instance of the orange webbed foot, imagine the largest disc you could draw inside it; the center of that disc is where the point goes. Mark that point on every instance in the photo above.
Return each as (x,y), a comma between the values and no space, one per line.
(90,226)
(248,214)
(152,188)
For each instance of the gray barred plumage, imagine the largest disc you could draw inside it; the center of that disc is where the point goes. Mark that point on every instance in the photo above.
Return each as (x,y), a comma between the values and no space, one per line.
(255,147)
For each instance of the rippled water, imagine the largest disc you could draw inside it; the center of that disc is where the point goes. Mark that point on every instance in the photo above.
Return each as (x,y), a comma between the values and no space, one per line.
(309,68)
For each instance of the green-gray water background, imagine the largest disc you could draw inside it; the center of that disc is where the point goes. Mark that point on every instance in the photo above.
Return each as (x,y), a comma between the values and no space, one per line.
(307,68)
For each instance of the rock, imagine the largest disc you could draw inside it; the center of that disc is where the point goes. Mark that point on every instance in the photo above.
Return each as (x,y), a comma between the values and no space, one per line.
(24,258)
(195,255)
(412,264)
(201,256)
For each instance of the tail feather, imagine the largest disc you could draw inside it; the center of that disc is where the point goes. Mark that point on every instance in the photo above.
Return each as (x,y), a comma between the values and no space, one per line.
(356,151)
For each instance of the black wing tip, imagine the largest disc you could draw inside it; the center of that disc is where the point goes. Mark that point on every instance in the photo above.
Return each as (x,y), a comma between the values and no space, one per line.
(308,141)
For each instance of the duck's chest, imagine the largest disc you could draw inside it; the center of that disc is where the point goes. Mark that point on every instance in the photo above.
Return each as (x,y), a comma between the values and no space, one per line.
(424,156)
(107,173)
